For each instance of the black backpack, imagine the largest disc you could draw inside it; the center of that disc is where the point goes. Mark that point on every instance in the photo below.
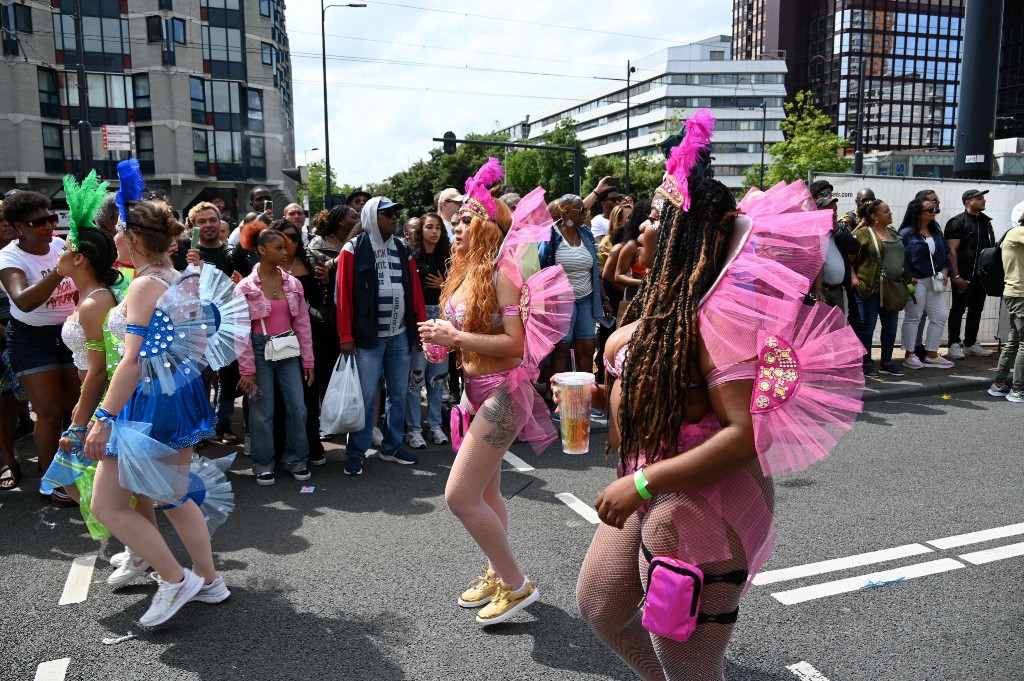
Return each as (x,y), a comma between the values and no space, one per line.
(989,270)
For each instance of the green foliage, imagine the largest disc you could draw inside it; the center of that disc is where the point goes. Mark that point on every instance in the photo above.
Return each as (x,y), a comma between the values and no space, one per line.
(809,144)
(645,173)
(317,184)
(529,168)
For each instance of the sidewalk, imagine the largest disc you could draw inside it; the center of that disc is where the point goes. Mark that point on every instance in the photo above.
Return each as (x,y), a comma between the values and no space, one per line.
(973,373)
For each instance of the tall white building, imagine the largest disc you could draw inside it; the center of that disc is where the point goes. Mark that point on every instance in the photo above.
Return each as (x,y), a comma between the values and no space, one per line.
(675,82)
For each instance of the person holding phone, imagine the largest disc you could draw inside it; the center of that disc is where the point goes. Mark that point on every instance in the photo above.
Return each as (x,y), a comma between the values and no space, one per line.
(606,195)
(276,308)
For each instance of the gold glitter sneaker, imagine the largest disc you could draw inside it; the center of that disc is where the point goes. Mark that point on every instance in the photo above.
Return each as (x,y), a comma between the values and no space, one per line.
(480,590)
(505,603)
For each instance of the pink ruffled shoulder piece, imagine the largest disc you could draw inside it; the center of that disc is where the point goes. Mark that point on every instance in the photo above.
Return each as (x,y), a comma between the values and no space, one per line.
(808,380)
(546,297)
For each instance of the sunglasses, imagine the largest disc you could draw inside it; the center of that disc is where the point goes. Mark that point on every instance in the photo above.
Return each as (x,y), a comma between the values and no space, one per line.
(614,199)
(389,213)
(927,210)
(50,219)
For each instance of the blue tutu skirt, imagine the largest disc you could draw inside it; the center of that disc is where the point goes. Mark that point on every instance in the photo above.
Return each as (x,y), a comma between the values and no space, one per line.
(180,420)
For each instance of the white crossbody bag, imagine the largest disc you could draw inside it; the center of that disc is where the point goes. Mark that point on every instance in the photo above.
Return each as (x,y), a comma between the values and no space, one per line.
(282,346)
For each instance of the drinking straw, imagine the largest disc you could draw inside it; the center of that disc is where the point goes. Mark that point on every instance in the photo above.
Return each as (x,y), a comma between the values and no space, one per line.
(572,360)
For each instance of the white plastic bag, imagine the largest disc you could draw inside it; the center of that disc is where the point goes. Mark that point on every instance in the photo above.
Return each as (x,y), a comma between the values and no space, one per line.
(342,409)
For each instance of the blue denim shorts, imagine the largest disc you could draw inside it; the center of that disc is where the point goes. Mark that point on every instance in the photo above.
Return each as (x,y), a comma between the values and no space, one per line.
(35,349)
(584,324)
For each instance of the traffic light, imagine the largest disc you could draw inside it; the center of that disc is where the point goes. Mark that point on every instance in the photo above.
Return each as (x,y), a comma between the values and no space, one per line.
(300,174)
(449,142)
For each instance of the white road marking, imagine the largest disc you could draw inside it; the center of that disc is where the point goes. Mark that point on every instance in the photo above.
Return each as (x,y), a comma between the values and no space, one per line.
(575,504)
(998,553)
(518,463)
(977,537)
(839,586)
(54,670)
(806,672)
(835,564)
(76,588)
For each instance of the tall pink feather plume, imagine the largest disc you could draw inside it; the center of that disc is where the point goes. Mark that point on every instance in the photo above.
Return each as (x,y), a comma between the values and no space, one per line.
(478,186)
(699,129)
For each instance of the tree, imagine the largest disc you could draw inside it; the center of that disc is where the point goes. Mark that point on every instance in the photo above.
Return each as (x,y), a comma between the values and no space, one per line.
(809,144)
(645,174)
(317,185)
(529,168)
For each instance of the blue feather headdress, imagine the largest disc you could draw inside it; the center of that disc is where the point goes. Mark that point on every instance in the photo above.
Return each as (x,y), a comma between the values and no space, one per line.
(131,187)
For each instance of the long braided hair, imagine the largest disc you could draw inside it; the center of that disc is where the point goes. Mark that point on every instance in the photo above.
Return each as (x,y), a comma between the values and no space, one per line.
(689,257)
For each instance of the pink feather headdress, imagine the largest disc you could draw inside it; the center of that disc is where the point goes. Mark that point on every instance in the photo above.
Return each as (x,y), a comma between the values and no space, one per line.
(699,129)
(477,197)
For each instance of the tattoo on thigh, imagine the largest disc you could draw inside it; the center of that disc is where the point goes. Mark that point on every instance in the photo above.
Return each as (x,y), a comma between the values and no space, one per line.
(497,411)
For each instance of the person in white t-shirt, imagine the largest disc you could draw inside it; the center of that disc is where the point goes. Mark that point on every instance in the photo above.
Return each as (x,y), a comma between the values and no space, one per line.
(41,300)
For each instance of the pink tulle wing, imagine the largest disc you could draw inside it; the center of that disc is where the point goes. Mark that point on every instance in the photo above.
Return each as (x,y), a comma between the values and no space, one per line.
(546,306)
(798,422)
(782,198)
(788,228)
(531,225)
(753,295)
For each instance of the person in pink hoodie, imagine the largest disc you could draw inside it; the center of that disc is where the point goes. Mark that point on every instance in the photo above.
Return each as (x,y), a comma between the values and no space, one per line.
(277,308)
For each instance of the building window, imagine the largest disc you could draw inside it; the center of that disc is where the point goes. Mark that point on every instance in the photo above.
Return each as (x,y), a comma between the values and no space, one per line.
(49,95)
(220,4)
(257,160)
(14,19)
(255,122)
(178,31)
(198,96)
(265,8)
(140,87)
(222,52)
(154,29)
(267,51)
(144,145)
(717,55)
(105,39)
(53,149)
(200,152)
(166,4)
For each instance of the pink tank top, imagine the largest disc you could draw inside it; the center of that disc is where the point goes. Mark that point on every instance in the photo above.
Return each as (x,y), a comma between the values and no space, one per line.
(278,321)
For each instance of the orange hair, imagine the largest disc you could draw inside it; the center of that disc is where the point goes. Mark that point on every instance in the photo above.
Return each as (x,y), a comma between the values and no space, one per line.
(473,272)
(249,232)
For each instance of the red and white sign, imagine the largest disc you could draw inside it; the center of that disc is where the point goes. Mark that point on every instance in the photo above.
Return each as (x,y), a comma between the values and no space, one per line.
(117,137)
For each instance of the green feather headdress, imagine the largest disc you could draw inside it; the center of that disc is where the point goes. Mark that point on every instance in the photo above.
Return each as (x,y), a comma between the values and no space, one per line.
(84,202)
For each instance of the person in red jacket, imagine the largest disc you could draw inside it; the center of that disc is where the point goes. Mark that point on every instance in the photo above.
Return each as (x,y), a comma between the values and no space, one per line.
(380,303)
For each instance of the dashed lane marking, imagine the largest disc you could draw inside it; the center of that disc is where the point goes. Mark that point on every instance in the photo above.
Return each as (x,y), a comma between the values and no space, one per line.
(54,670)
(518,463)
(978,537)
(588,513)
(998,553)
(805,671)
(76,588)
(839,586)
(836,564)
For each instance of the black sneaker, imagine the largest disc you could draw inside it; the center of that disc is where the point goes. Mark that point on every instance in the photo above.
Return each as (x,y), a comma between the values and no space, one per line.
(58,499)
(227,436)
(302,475)
(318,459)
(326,437)
(265,479)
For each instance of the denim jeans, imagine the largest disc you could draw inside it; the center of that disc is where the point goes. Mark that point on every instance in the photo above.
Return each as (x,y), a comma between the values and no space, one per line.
(1012,354)
(389,359)
(870,312)
(286,374)
(436,376)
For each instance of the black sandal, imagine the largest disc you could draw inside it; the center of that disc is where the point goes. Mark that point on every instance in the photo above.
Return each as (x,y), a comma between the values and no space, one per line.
(9,477)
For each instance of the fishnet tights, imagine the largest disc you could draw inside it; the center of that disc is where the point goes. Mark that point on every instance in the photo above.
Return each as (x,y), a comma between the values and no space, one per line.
(473,492)
(614,576)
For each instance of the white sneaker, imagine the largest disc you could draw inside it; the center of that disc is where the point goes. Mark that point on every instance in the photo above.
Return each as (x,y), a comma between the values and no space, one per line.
(129,570)
(119,559)
(912,362)
(214,592)
(414,438)
(999,391)
(956,351)
(979,350)
(437,436)
(378,437)
(938,362)
(169,598)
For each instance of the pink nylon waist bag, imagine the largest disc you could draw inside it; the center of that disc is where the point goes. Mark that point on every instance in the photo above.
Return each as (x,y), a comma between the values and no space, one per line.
(672,603)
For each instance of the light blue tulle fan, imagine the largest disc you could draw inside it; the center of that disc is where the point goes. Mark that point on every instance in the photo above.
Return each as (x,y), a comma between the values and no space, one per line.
(146,466)
(230,312)
(173,350)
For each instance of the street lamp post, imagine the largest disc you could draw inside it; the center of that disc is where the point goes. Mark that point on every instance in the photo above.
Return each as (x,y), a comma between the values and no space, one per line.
(764,132)
(630,70)
(305,155)
(858,151)
(327,127)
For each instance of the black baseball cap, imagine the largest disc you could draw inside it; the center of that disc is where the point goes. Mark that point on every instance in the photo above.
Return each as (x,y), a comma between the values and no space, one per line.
(971,193)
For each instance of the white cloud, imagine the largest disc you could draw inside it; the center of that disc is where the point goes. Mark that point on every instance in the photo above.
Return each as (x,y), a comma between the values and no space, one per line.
(383,115)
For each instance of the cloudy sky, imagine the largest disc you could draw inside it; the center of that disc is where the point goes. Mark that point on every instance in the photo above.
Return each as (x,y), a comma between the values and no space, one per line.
(400,73)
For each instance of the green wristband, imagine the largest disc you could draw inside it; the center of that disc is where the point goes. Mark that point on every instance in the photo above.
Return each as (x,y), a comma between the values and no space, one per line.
(640,480)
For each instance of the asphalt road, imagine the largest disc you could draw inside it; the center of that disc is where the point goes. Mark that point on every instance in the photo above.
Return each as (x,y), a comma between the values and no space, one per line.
(358,579)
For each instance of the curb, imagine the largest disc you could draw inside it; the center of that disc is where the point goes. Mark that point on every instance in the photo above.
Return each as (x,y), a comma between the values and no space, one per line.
(946,387)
